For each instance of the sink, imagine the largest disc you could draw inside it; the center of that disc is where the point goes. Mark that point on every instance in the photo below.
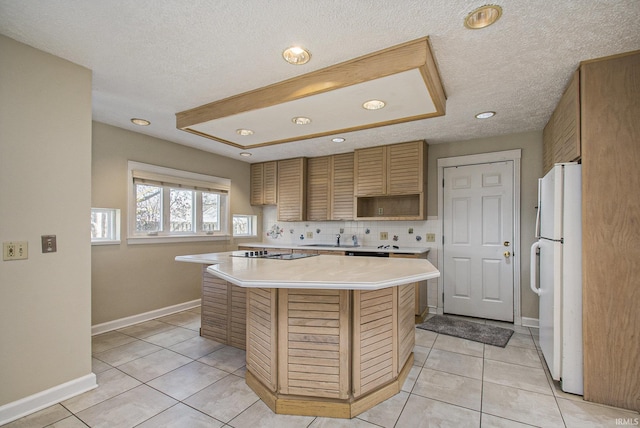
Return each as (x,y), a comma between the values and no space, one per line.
(329,245)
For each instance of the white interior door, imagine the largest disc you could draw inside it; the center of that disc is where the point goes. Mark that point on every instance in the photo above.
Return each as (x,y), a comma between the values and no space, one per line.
(478,240)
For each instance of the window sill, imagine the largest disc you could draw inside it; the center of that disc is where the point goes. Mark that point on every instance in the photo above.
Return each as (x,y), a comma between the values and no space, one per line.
(105,242)
(175,238)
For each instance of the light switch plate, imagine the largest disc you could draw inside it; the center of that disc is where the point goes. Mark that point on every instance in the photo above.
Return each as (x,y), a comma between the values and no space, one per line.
(431,237)
(310,235)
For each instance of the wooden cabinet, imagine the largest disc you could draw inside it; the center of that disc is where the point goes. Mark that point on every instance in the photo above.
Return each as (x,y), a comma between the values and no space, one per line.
(318,188)
(223,316)
(330,187)
(292,180)
(264,183)
(561,135)
(421,309)
(390,182)
(342,180)
(610,133)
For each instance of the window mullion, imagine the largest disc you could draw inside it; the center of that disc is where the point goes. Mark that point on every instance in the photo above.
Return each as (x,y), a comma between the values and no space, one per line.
(166,210)
(198,211)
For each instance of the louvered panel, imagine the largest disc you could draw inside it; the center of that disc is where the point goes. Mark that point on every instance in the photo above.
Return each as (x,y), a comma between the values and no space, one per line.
(405,168)
(373,330)
(406,321)
(270,183)
(291,189)
(370,167)
(343,182)
(315,362)
(238,331)
(257,173)
(567,124)
(318,189)
(262,339)
(547,146)
(214,314)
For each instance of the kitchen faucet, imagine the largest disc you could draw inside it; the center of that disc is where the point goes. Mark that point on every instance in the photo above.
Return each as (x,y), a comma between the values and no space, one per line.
(338,240)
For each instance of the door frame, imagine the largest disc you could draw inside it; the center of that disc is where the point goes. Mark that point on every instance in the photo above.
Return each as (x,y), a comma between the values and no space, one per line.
(507,155)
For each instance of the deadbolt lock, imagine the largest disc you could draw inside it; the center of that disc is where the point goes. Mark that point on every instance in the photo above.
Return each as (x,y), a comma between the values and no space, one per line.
(507,243)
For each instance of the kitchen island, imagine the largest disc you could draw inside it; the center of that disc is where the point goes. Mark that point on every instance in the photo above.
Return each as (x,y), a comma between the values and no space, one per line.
(325,335)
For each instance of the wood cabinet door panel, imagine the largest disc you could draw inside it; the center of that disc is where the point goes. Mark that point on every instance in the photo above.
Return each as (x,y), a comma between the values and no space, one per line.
(318,188)
(342,187)
(370,169)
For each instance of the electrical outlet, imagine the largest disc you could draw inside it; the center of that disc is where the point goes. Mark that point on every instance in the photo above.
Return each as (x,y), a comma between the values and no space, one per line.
(380,211)
(15,250)
(309,235)
(410,230)
(384,236)
(431,237)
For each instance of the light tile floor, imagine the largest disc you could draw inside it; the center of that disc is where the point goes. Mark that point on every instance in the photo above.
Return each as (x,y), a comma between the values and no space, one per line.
(160,373)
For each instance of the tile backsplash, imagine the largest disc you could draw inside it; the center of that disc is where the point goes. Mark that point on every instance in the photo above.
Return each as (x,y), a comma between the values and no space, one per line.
(368,233)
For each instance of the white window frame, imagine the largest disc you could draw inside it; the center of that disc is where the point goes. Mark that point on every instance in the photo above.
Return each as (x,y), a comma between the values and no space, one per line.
(114,220)
(253,226)
(189,180)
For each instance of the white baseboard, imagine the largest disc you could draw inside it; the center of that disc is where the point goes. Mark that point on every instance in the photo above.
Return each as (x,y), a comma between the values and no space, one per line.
(530,322)
(49,397)
(146,316)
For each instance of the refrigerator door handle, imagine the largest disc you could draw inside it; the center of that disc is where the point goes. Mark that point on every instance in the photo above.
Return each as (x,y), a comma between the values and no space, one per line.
(534,268)
(537,231)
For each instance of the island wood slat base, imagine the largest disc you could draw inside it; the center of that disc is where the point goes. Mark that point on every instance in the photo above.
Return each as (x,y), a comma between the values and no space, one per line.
(332,353)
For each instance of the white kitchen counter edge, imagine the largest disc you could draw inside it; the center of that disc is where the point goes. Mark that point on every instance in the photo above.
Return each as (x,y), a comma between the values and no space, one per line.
(320,284)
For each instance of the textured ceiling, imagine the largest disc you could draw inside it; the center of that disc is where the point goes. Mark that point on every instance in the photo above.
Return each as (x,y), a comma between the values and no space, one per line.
(154,58)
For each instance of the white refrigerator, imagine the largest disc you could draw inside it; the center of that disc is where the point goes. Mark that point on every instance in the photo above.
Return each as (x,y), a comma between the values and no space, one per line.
(556,273)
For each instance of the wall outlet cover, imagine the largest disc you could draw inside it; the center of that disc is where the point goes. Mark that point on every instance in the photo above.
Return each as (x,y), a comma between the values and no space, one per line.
(384,236)
(309,235)
(431,237)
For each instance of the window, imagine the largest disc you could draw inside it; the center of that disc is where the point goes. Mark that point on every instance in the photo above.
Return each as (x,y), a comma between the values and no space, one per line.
(168,205)
(105,226)
(244,225)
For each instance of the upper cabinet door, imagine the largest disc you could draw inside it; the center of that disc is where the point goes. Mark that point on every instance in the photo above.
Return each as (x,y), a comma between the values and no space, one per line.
(292,181)
(263,183)
(270,183)
(257,171)
(370,171)
(318,188)
(405,168)
(342,187)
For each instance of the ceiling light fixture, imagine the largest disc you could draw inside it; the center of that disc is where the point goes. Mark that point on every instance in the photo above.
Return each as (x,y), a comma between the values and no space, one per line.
(296,55)
(373,104)
(245,154)
(301,120)
(483,16)
(244,132)
(140,122)
(338,140)
(485,115)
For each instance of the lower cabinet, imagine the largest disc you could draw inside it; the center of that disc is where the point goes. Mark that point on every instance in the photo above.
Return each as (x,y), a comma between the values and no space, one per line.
(420,288)
(223,315)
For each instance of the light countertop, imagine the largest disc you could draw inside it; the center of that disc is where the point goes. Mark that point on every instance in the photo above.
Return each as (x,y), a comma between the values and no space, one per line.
(317,272)
(401,250)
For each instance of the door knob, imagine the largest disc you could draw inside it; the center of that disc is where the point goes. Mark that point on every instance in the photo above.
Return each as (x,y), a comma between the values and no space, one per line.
(507,254)
(507,243)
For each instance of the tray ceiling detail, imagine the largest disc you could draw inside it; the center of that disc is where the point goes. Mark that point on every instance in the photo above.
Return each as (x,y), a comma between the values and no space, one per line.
(405,77)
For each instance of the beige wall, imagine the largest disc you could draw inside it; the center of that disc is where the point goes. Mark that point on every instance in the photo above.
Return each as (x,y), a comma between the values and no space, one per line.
(531,170)
(45,189)
(132,279)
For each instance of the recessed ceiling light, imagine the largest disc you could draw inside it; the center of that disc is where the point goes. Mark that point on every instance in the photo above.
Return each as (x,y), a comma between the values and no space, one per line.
(373,104)
(301,120)
(485,115)
(338,140)
(296,55)
(140,122)
(483,17)
(244,132)
(245,154)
